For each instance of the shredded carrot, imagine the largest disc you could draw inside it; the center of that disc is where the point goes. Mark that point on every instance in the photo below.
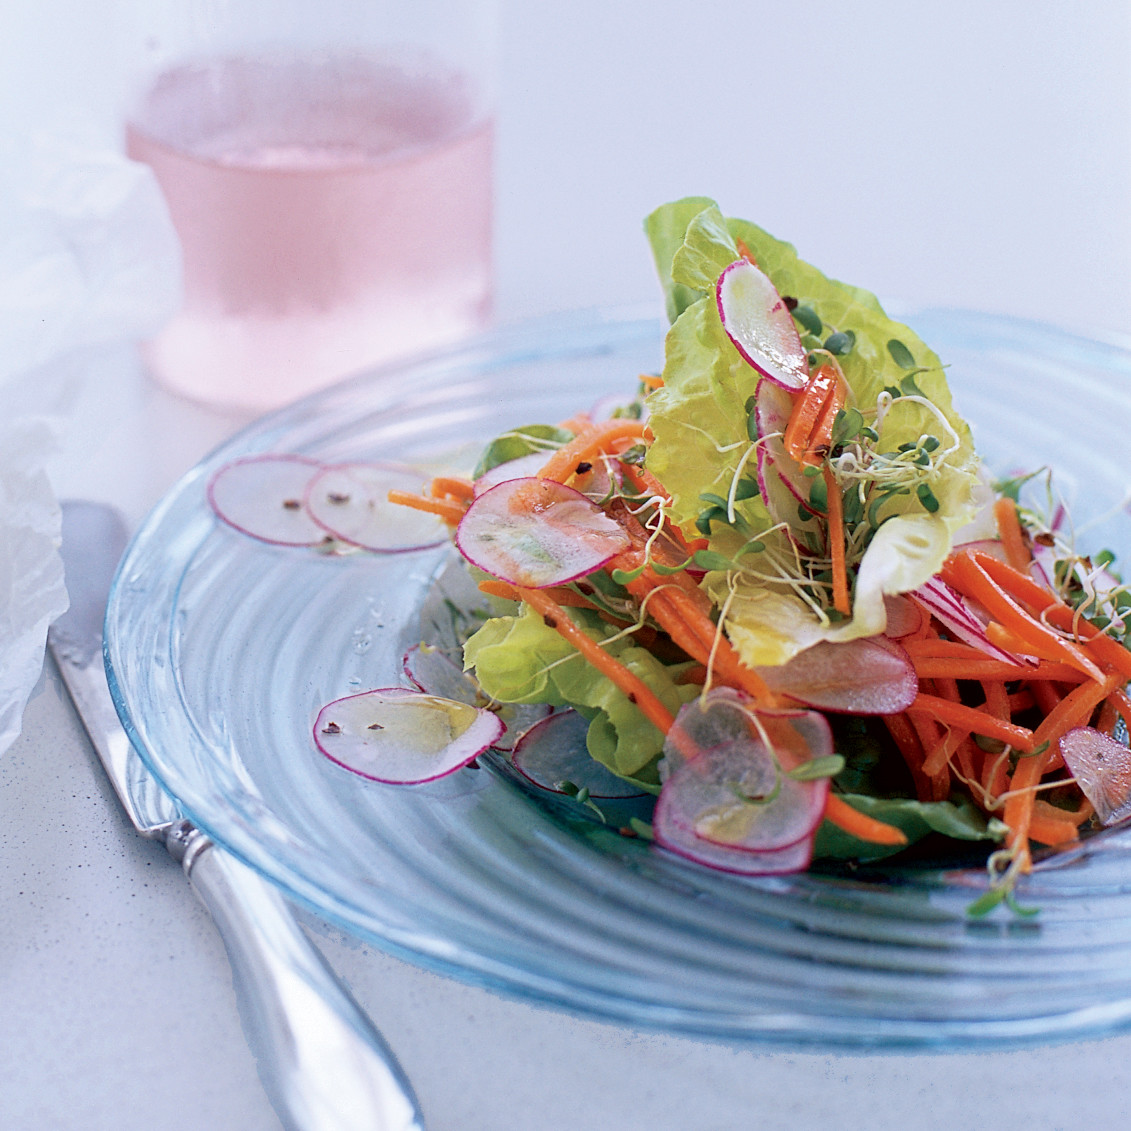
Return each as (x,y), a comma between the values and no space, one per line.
(1075,816)
(860,825)
(447,509)
(567,598)
(907,742)
(805,413)
(1051,831)
(933,668)
(633,686)
(744,251)
(586,444)
(1011,534)
(651,380)
(842,601)
(974,720)
(462,489)
(977,576)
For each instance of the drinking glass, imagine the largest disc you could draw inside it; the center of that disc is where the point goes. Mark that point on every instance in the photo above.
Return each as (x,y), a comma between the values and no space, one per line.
(328,168)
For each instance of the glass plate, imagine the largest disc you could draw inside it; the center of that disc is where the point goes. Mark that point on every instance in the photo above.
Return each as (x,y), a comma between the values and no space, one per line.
(222,649)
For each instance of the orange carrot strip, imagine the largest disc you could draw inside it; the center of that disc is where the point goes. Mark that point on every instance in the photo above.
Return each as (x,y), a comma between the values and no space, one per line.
(805,413)
(907,741)
(567,598)
(1076,705)
(1051,831)
(1076,817)
(1074,709)
(997,699)
(821,438)
(976,575)
(744,251)
(1046,604)
(934,668)
(612,669)
(842,602)
(933,647)
(453,486)
(651,380)
(1122,704)
(1011,534)
(587,443)
(974,720)
(447,509)
(1107,651)
(860,825)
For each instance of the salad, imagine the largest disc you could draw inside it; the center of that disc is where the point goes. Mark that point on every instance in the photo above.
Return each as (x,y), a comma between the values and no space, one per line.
(766,608)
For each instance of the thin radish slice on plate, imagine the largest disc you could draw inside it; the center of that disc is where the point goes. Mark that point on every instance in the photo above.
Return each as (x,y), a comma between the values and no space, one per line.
(350,501)
(781,480)
(760,325)
(955,612)
(433,671)
(524,467)
(867,676)
(729,775)
(535,533)
(552,753)
(904,616)
(402,736)
(683,842)
(1102,769)
(262,497)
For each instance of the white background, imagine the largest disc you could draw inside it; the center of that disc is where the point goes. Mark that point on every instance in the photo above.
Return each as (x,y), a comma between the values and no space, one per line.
(958,153)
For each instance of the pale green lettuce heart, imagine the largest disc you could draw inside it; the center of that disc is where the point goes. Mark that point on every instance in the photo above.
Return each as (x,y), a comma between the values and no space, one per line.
(519,659)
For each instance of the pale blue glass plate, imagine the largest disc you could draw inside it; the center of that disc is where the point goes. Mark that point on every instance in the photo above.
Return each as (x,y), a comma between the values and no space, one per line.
(221,651)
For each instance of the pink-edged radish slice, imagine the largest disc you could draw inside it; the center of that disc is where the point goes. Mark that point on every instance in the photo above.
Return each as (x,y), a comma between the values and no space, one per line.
(781,479)
(350,501)
(956,614)
(262,497)
(552,752)
(775,862)
(535,533)
(594,484)
(432,671)
(402,736)
(904,617)
(760,325)
(524,467)
(1102,769)
(726,771)
(868,676)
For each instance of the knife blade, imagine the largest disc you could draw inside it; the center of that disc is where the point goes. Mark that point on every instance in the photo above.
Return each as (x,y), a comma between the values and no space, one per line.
(322,1062)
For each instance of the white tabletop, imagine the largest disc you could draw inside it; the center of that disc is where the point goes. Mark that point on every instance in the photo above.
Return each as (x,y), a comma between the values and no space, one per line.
(939,154)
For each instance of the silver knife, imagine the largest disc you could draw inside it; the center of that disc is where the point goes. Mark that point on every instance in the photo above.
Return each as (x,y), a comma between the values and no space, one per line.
(322,1063)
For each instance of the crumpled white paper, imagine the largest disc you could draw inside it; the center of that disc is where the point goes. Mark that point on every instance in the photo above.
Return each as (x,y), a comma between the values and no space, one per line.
(88,256)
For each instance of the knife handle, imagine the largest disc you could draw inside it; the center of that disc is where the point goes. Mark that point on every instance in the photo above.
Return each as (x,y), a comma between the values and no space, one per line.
(322,1063)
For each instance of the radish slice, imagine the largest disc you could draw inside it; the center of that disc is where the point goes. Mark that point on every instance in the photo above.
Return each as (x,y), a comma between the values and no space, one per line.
(434,672)
(262,496)
(402,736)
(350,502)
(868,676)
(553,752)
(1102,769)
(725,768)
(535,533)
(683,842)
(760,325)
(905,617)
(781,480)
(522,468)
(956,613)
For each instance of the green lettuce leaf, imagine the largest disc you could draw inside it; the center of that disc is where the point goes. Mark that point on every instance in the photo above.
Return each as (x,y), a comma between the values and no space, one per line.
(702,447)
(518,659)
